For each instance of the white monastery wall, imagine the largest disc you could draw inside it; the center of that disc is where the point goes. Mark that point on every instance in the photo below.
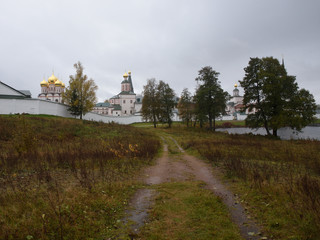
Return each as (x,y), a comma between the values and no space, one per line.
(37,106)
(33,106)
(122,119)
(241,117)
(227,118)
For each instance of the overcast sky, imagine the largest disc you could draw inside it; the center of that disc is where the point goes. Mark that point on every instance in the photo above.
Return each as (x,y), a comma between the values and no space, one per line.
(170,40)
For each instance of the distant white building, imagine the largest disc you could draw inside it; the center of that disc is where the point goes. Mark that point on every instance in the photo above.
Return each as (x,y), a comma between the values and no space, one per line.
(52,90)
(138,104)
(125,103)
(235,103)
(235,107)
(318,112)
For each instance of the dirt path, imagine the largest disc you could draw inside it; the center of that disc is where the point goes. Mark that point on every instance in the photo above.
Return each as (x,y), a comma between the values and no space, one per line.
(185,167)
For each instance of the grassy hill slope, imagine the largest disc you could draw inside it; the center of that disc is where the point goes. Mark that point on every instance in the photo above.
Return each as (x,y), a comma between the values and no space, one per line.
(67,179)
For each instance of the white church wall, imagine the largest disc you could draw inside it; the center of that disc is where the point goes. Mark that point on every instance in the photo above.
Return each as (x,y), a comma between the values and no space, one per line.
(176,117)
(127,104)
(37,106)
(241,117)
(227,118)
(137,107)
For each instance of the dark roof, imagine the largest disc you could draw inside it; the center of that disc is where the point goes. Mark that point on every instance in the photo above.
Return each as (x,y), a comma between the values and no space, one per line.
(116,107)
(139,98)
(26,92)
(102,104)
(115,97)
(230,104)
(126,93)
(125,81)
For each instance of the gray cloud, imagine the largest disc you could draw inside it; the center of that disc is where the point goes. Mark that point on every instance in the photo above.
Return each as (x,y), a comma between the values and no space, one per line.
(168,40)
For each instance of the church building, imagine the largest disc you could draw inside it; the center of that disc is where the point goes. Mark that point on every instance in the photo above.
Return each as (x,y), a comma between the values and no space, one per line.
(235,105)
(52,90)
(122,104)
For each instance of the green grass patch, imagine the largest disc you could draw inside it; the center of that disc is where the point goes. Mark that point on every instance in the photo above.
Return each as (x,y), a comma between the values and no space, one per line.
(219,123)
(230,123)
(185,210)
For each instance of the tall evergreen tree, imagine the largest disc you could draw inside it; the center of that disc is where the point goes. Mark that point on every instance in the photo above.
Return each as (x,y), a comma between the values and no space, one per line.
(210,98)
(275,97)
(81,93)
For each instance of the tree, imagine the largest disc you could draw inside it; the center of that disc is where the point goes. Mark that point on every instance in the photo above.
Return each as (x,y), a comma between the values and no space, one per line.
(74,106)
(150,109)
(302,110)
(186,106)
(275,97)
(158,102)
(81,93)
(210,98)
(199,110)
(165,97)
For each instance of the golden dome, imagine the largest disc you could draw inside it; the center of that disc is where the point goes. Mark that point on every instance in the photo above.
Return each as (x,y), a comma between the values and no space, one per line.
(58,83)
(62,85)
(52,79)
(125,75)
(236,85)
(129,72)
(44,83)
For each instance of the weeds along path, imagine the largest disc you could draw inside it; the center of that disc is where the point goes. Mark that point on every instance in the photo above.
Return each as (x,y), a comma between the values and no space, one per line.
(180,167)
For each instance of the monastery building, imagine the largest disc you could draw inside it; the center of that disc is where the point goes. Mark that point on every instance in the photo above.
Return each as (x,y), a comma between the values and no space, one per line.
(125,103)
(52,90)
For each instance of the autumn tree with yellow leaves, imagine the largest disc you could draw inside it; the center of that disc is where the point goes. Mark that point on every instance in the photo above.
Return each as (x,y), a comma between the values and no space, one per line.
(81,93)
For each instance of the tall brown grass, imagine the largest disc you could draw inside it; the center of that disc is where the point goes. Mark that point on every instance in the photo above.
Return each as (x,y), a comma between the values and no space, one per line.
(286,172)
(65,178)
